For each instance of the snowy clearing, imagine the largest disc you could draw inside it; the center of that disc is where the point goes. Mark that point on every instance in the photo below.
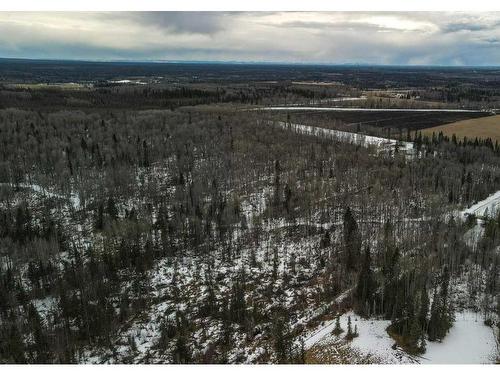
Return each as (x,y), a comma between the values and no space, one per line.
(488,206)
(373,338)
(469,341)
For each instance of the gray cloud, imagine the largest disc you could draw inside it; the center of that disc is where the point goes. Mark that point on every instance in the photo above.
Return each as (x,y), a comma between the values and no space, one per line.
(183,22)
(491,40)
(465,26)
(316,37)
(328,25)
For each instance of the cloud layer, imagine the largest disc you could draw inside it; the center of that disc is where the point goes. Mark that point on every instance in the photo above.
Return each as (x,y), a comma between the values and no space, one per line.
(313,37)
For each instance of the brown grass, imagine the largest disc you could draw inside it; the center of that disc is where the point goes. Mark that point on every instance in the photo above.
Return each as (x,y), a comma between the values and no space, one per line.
(482,128)
(336,351)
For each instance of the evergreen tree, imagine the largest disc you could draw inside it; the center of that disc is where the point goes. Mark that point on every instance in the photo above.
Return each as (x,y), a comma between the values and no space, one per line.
(433,328)
(338,329)
(366,286)
(181,353)
(282,339)
(349,335)
(40,347)
(414,334)
(99,219)
(424,308)
(237,304)
(111,208)
(352,241)
(441,318)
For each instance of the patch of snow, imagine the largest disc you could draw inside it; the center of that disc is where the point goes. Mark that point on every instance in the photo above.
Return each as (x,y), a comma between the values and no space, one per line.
(488,206)
(73,198)
(373,338)
(469,341)
(325,329)
(45,306)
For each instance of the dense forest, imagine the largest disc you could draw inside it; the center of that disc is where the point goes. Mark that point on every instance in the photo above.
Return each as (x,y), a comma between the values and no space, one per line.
(153,225)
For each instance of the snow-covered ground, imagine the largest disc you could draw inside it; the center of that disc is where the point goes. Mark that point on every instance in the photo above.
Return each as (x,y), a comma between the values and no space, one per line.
(319,334)
(487,207)
(373,338)
(126,81)
(354,109)
(355,138)
(73,198)
(45,306)
(469,341)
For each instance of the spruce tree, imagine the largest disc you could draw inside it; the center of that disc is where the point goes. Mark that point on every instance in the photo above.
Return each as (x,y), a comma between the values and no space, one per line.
(441,318)
(338,329)
(424,308)
(349,334)
(366,285)
(181,353)
(433,325)
(352,241)
(282,339)
(414,334)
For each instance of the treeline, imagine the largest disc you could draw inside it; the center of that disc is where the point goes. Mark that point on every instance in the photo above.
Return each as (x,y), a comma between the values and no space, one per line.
(161,96)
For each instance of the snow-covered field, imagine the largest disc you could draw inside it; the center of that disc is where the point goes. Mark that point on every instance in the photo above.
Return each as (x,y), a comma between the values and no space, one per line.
(469,341)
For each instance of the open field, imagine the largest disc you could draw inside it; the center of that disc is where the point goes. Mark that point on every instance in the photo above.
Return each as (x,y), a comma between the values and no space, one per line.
(383,119)
(55,86)
(483,127)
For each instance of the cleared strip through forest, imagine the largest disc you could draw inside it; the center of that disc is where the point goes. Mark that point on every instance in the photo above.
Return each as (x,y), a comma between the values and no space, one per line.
(383,144)
(355,109)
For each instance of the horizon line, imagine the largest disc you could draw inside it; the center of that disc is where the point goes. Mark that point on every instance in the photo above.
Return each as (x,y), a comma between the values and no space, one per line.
(241,62)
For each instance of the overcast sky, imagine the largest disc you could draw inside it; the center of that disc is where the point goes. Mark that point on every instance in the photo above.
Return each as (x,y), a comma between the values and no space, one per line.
(317,37)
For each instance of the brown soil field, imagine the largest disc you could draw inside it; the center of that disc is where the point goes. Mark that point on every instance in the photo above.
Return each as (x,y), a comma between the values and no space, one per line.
(483,127)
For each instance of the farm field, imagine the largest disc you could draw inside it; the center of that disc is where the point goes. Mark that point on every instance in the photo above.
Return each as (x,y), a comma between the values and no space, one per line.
(398,125)
(482,128)
(382,119)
